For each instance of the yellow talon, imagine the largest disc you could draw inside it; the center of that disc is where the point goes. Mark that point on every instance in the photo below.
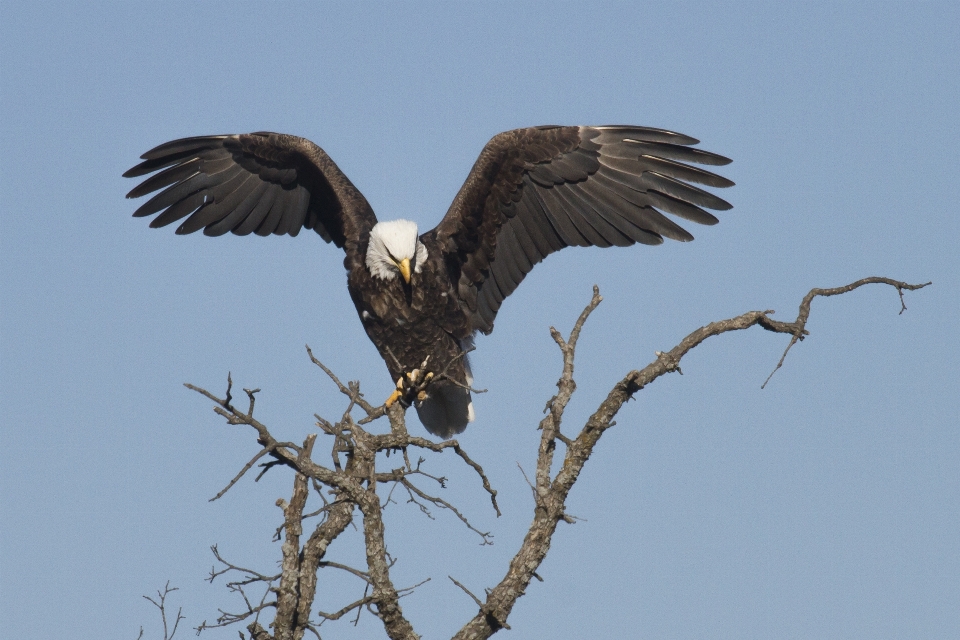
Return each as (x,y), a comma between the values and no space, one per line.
(412,376)
(396,395)
(393,398)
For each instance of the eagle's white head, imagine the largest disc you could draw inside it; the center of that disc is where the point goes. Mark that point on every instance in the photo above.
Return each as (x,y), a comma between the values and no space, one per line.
(395,248)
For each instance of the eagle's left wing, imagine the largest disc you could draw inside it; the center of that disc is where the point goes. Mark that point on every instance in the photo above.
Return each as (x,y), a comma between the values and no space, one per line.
(259,183)
(534,191)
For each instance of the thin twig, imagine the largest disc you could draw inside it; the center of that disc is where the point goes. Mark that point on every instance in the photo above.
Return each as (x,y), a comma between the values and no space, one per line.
(467,591)
(354,396)
(485,536)
(246,468)
(161,603)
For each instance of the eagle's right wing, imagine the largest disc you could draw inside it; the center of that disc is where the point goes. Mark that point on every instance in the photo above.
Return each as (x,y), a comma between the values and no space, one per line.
(534,191)
(259,183)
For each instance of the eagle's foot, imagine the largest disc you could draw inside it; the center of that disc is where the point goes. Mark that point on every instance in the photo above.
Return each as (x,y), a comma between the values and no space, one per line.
(396,395)
(420,389)
(410,386)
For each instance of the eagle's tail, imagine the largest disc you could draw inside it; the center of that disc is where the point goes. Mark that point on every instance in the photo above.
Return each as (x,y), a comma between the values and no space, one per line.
(446,410)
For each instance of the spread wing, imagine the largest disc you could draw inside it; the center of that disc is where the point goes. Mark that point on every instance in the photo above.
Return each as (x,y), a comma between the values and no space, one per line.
(534,191)
(259,183)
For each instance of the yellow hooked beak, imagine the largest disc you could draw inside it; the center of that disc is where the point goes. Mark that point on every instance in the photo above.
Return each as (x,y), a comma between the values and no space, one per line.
(404,267)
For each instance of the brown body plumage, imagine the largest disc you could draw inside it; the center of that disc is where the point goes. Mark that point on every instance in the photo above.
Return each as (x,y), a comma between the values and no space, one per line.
(531,192)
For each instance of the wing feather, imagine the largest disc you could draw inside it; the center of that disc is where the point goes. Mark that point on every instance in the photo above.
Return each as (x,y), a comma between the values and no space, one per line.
(519,265)
(680,208)
(534,191)
(616,134)
(531,253)
(217,195)
(576,229)
(294,213)
(172,153)
(167,177)
(543,176)
(678,170)
(609,210)
(260,210)
(272,219)
(541,232)
(174,193)
(586,205)
(183,208)
(252,183)
(683,191)
(634,148)
(223,213)
(636,208)
(251,196)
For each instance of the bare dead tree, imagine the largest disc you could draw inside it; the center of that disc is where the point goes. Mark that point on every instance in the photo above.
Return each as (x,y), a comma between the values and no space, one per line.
(352,485)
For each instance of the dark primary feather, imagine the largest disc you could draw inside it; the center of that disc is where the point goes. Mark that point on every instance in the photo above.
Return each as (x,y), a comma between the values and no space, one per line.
(534,191)
(259,183)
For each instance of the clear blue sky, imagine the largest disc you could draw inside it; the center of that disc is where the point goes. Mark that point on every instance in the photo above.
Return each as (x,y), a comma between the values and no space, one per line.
(825,506)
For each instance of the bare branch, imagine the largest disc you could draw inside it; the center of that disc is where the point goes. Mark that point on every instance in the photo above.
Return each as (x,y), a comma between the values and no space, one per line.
(340,515)
(254,576)
(483,477)
(550,425)
(246,468)
(799,325)
(336,565)
(405,591)
(347,609)
(251,393)
(161,604)
(550,493)
(484,536)
(389,441)
(467,591)
(384,593)
(288,591)
(237,586)
(353,394)
(226,619)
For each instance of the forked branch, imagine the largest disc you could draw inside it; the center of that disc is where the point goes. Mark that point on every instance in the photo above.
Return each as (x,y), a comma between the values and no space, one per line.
(354,486)
(161,604)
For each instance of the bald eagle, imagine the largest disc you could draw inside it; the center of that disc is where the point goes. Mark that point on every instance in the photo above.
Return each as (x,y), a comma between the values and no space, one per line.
(422,297)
